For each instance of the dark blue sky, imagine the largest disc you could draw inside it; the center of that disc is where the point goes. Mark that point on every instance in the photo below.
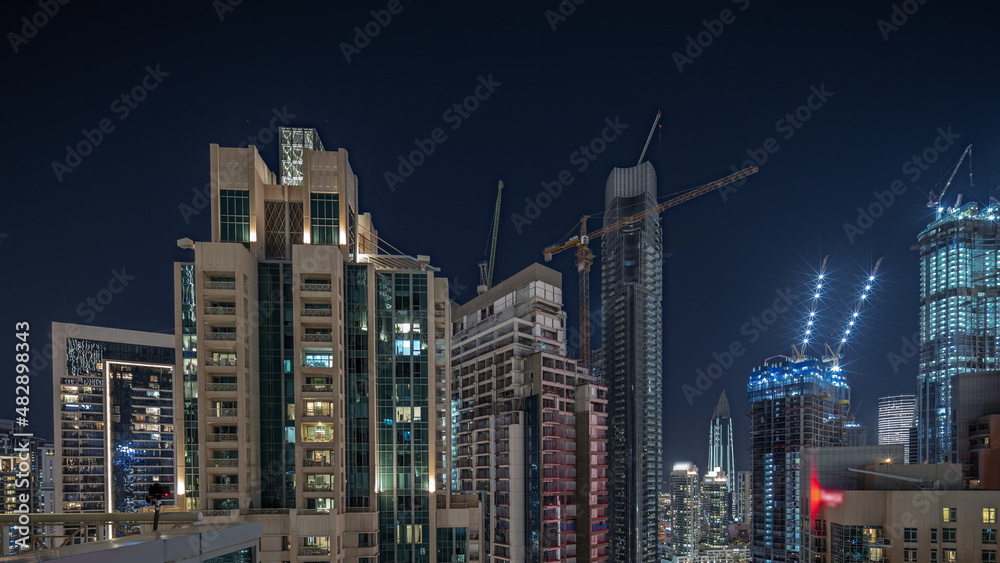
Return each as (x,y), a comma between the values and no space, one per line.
(886,92)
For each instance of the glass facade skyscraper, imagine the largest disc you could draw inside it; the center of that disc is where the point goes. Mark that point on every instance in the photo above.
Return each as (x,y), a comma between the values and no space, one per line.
(795,403)
(114,415)
(632,362)
(895,418)
(958,377)
(720,449)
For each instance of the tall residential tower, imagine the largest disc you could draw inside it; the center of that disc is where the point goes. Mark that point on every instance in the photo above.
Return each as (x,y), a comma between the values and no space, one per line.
(316,370)
(632,362)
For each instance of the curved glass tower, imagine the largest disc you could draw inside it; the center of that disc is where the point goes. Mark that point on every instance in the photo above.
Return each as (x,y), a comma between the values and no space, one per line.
(632,356)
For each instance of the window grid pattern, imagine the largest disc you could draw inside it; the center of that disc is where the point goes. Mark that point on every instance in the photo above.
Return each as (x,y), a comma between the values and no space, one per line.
(234,215)
(324,211)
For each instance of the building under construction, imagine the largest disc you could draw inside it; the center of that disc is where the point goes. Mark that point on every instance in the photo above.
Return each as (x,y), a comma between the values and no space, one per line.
(530,425)
(795,403)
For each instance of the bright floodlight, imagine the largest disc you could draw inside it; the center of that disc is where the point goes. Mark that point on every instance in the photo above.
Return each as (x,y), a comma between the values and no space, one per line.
(855,314)
(868,288)
(821,276)
(842,340)
(871,278)
(940,209)
(812,314)
(851,323)
(816,296)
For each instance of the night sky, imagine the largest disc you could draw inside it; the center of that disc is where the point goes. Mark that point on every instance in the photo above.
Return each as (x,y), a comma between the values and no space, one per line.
(838,103)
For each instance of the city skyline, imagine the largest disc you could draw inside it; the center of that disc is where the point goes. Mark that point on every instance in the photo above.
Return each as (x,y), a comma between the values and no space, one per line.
(113,222)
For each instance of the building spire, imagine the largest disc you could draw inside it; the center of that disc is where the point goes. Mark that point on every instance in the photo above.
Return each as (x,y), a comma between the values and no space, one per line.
(722,408)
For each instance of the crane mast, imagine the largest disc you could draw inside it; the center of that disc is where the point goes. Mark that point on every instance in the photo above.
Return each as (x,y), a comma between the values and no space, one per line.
(585,257)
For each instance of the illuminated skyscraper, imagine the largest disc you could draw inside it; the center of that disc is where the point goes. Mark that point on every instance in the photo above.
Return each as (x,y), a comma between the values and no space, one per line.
(632,356)
(895,418)
(685,510)
(720,448)
(959,371)
(715,509)
(794,403)
(114,417)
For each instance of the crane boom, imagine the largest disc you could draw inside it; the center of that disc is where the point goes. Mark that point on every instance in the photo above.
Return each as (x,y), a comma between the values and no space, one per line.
(935,202)
(486,266)
(585,257)
(496,228)
(650,137)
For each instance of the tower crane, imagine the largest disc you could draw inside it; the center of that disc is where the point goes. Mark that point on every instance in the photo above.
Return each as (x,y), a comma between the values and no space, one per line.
(936,201)
(486,267)
(585,257)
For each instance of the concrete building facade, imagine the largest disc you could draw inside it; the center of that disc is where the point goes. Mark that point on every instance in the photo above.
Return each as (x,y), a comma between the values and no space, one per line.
(530,426)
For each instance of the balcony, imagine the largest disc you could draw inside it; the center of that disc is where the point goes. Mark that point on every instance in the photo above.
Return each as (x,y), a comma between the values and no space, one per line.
(223,463)
(221,362)
(317,337)
(316,463)
(220,284)
(317,312)
(317,487)
(313,286)
(220,310)
(220,387)
(223,437)
(222,412)
(224,336)
(314,388)
(314,550)
(223,487)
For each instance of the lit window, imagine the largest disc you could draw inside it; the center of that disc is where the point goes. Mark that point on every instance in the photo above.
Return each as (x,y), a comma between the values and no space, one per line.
(949,555)
(950,514)
(989,516)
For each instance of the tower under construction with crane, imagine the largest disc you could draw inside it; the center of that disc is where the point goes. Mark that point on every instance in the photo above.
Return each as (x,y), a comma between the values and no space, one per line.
(631,353)
(796,401)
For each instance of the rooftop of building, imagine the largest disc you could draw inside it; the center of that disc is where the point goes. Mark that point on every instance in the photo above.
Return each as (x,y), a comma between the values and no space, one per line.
(534,272)
(187,543)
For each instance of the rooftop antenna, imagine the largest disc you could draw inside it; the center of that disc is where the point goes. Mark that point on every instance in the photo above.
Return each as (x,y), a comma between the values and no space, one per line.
(810,324)
(833,356)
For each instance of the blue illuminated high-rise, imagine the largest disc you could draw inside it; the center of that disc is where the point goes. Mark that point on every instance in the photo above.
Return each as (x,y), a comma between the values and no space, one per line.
(632,356)
(958,374)
(795,403)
